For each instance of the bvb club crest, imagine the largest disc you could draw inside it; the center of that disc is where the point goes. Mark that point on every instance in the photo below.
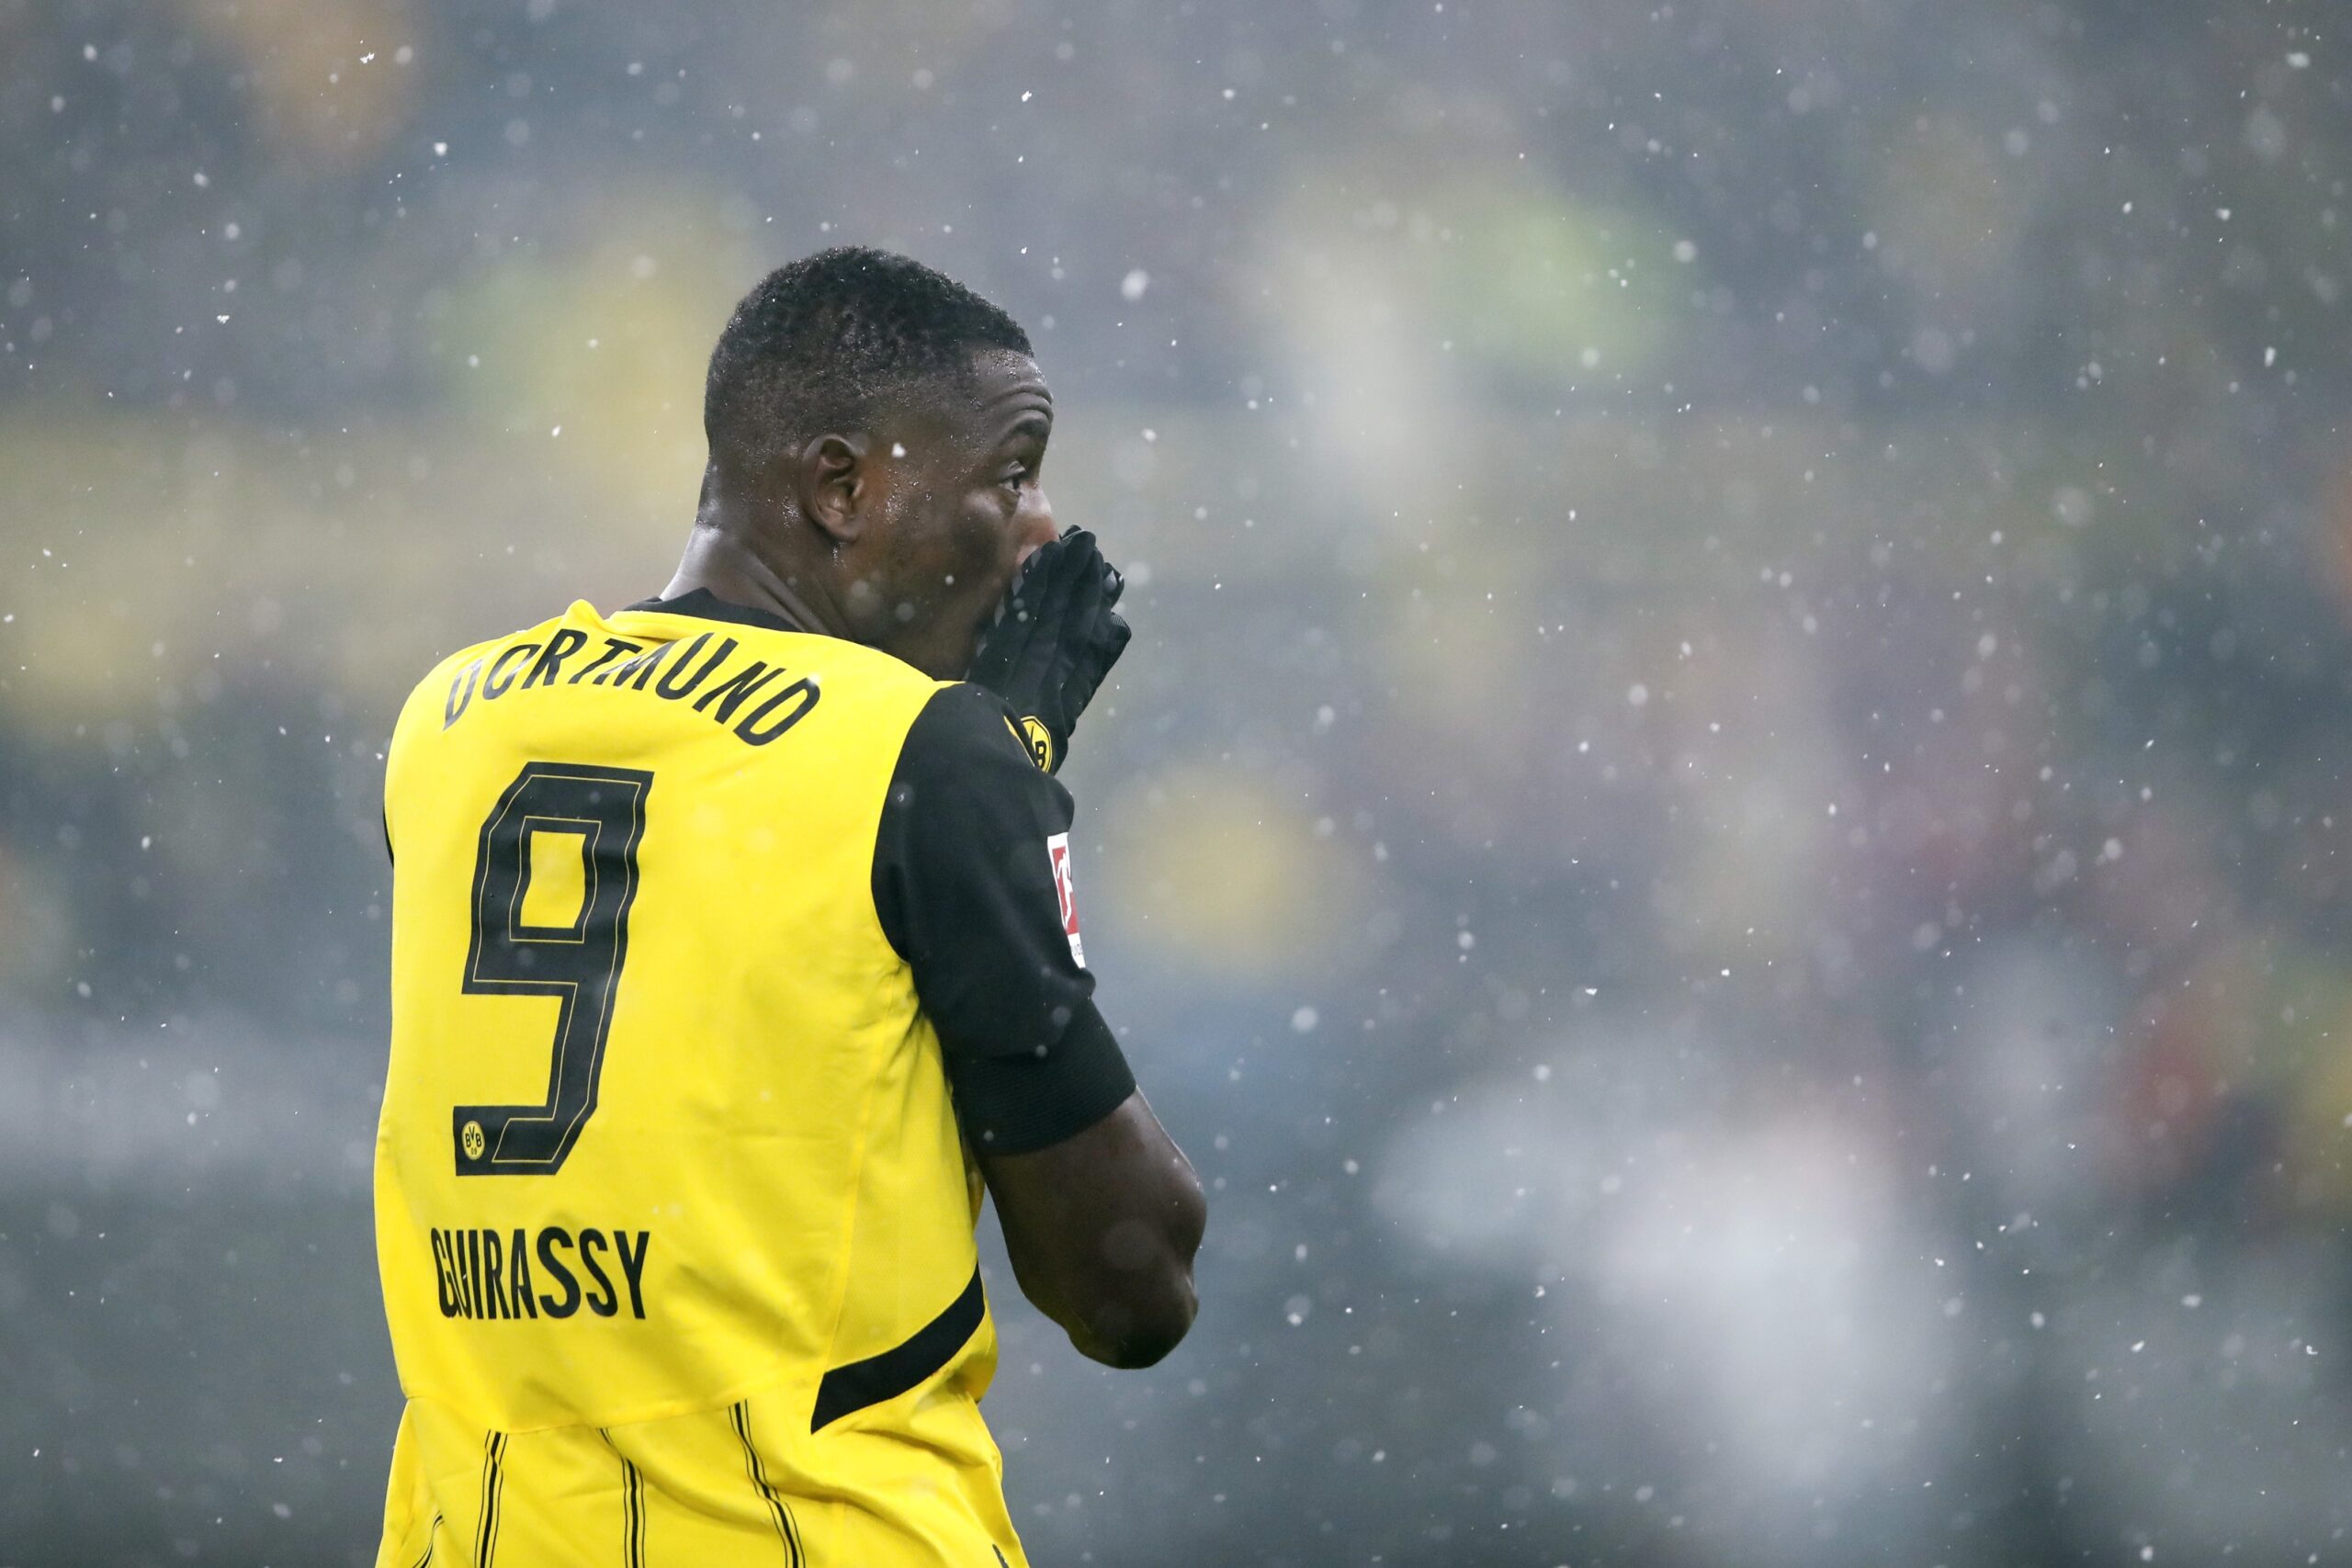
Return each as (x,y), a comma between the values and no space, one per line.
(1040,741)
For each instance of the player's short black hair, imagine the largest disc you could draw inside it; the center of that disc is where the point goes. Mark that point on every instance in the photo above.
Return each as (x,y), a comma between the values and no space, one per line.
(817,343)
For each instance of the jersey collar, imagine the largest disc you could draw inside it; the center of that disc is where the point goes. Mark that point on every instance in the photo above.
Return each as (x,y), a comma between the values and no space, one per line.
(703,604)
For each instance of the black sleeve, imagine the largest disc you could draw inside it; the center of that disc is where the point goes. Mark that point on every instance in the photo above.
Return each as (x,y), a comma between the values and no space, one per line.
(965,883)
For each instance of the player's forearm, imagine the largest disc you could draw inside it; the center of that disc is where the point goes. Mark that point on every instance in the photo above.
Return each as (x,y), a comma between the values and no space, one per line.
(1130,1316)
(1137,1326)
(1102,1230)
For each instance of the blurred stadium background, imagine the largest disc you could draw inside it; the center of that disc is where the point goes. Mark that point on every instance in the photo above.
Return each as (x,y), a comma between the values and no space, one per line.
(1726,833)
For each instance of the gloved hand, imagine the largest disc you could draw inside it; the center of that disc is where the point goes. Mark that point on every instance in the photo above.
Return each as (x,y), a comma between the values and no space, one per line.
(1056,637)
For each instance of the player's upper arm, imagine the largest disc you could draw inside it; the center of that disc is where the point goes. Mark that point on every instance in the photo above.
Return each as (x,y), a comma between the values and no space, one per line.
(1101,1211)
(966,882)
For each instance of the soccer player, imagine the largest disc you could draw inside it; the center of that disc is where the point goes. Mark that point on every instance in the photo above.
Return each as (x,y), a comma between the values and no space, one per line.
(734,944)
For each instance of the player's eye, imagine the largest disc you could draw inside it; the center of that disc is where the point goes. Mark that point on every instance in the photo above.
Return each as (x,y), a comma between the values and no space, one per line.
(1015,478)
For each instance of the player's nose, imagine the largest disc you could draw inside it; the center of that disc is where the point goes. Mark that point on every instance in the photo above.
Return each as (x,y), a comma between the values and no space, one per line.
(1032,525)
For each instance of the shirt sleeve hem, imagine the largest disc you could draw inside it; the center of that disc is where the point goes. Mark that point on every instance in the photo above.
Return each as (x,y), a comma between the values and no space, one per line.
(1019,1104)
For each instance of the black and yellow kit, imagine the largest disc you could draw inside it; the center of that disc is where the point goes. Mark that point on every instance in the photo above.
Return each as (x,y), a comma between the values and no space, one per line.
(714,943)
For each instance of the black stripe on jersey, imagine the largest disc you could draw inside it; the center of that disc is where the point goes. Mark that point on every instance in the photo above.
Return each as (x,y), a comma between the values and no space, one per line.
(739,1415)
(898,1369)
(636,1543)
(431,1537)
(632,1506)
(494,1487)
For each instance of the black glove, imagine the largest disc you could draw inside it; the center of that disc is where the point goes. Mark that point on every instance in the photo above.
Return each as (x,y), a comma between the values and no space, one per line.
(1056,637)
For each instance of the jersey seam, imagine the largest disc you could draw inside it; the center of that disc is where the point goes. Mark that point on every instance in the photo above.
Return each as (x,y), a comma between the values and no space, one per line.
(866,1120)
(898,761)
(770,1382)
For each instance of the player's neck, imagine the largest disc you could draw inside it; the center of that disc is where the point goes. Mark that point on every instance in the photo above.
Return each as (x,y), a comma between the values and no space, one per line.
(718,559)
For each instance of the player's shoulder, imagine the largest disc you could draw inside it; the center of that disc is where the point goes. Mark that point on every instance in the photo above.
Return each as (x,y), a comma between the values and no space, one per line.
(439,685)
(963,761)
(965,727)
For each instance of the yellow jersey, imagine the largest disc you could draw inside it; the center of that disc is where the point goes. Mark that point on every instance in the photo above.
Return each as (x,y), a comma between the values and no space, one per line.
(713,941)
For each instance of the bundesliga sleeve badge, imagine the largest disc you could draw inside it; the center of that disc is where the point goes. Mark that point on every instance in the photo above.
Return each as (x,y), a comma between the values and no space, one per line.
(1058,851)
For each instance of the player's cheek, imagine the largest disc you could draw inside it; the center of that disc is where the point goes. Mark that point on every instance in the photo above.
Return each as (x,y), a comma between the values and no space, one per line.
(985,550)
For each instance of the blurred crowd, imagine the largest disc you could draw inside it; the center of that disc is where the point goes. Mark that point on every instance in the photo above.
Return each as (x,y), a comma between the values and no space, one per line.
(1723,834)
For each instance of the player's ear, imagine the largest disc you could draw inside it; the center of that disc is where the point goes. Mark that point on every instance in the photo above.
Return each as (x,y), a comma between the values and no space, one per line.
(834,485)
